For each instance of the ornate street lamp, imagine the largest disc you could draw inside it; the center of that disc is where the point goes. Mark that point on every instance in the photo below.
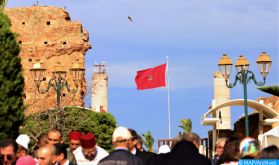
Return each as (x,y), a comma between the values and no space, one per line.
(244,75)
(58,82)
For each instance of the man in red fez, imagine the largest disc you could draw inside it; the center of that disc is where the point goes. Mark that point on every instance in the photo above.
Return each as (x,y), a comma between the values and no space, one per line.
(74,140)
(89,151)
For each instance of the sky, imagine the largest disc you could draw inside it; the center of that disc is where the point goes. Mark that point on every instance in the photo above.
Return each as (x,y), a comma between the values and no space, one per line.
(192,33)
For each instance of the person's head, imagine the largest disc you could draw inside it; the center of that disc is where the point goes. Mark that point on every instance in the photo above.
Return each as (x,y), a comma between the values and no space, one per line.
(139,144)
(122,137)
(23,142)
(8,151)
(134,136)
(88,146)
(46,155)
(192,137)
(74,140)
(26,160)
(231,150)
(21,151)
(176,140)
(54,136)
(42,140)
(219,146)
(61,153)
(249,148)
(136,139)
(270,152)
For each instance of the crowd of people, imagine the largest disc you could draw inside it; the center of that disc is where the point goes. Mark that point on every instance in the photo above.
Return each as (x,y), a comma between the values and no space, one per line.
(231,150)
(82,149)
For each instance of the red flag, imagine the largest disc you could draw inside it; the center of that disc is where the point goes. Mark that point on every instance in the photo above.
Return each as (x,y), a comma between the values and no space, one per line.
(151,78)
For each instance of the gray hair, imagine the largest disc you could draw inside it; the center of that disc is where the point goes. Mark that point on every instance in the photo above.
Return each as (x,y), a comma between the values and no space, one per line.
(191,137)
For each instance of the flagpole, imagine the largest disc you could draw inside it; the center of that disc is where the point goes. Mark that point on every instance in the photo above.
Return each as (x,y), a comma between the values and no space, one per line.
(168,86)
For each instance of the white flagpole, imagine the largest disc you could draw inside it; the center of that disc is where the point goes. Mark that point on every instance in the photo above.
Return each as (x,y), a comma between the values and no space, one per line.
(168,86)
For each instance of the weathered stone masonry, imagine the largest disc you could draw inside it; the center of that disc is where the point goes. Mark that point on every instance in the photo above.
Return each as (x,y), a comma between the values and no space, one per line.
(48,34)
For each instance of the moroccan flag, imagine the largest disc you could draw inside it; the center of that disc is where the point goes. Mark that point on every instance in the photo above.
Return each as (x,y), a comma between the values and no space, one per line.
(151,78)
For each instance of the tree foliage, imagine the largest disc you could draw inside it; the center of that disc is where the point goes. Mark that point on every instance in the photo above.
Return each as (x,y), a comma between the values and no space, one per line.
(11,81)
(2,4)
(274,90)
(148,141)
(78,119)
(186,125)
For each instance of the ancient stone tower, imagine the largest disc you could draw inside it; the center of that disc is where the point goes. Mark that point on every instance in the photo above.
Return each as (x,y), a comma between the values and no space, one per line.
(221,95)
(48,34)
(100,88)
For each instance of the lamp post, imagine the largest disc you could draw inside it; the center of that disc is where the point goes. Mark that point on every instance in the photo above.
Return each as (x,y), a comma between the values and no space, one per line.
(58,82)
(244,75)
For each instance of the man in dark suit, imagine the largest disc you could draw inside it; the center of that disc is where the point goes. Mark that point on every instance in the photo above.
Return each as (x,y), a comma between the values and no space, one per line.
(184,152)
(61,154)
(138,150)
(121,139)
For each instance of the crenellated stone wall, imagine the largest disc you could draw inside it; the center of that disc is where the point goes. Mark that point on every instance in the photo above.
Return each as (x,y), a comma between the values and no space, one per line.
(47,33)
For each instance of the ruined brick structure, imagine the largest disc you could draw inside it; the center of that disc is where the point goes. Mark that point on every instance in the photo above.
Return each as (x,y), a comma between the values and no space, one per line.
(239,127)
(272,101)
(48,34)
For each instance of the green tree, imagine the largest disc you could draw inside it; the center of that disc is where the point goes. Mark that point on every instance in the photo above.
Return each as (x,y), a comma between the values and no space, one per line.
(79,119)
(148,141)
(274,90)
(186,125)
(11,80)
(2,4)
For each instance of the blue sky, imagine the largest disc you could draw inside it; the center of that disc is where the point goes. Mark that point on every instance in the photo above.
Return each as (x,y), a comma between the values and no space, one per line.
(193,33)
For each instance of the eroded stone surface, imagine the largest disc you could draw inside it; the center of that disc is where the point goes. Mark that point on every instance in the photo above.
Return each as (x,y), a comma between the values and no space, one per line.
(48,34)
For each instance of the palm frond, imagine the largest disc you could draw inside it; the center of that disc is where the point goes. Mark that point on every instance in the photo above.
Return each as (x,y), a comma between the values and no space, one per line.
(274,89)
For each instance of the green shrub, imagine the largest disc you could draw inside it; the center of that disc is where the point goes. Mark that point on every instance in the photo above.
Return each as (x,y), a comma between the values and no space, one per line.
(78,119)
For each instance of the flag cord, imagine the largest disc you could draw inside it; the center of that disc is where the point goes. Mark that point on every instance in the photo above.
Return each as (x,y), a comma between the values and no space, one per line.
(168,84)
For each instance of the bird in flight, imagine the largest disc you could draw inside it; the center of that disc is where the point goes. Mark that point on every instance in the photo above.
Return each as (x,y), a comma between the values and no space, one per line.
(130,19)
(36,3)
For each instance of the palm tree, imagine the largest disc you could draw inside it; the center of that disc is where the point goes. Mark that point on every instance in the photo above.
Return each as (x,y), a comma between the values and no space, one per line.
(148,141)
(186,125)
(274,90)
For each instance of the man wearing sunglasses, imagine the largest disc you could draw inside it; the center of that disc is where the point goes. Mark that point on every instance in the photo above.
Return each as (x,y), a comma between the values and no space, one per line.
(8,152)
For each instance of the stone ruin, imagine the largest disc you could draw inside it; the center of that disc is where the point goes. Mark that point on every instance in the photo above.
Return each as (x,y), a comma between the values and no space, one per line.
(48,34)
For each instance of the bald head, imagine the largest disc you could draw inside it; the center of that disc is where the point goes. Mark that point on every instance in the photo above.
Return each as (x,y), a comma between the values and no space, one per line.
(46,155)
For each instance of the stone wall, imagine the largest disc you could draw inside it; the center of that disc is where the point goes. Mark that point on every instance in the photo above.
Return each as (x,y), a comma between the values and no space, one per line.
(48,34)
